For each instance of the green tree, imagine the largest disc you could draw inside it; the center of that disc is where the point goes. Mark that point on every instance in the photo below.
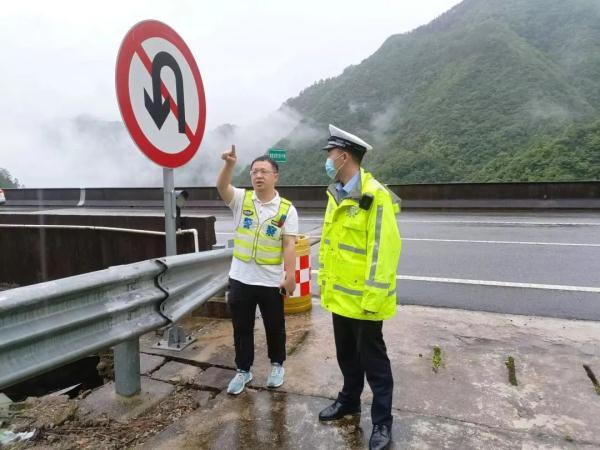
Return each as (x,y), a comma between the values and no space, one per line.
(7,181)
(483,88)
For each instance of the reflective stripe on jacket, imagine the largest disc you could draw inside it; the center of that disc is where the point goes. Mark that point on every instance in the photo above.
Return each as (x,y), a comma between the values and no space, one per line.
(260,241)
(359,252)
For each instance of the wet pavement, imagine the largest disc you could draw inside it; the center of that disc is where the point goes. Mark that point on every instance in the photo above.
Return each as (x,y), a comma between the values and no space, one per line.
(467,403)
(271,420)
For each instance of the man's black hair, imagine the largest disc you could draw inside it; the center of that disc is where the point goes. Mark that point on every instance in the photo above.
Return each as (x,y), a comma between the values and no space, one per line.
(274,165)
(356,155)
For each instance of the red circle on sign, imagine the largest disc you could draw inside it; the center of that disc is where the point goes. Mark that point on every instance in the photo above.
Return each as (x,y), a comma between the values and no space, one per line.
(132,44)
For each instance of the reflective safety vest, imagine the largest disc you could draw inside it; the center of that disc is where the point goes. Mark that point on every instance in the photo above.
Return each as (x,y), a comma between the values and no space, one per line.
(260,241)
(360,250)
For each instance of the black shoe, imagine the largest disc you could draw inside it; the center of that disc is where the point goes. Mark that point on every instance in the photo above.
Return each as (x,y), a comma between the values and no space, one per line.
(338,410)
(381,437)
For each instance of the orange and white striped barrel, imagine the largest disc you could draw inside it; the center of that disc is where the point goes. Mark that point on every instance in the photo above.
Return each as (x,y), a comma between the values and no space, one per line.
(301,300)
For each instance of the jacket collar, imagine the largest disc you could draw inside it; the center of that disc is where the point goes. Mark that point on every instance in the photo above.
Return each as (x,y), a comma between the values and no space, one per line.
(356,192)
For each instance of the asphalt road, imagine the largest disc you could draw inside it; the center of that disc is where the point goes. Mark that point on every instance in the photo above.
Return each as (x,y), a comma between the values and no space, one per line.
(531,262)
(534,263)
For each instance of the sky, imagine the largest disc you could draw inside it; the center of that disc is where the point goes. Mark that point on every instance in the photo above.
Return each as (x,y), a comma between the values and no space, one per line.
(58,68)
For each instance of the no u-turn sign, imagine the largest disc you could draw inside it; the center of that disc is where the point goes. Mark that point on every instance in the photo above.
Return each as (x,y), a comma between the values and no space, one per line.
(160,93)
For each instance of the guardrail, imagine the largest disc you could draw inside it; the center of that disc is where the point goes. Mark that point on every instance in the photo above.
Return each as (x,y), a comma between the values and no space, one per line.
(47,325)
(568,195)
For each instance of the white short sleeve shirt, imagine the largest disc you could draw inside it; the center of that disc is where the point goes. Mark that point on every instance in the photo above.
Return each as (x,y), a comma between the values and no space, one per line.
(250,272)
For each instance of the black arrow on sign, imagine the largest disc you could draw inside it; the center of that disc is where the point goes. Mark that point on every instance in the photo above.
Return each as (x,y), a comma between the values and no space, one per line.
(159,110)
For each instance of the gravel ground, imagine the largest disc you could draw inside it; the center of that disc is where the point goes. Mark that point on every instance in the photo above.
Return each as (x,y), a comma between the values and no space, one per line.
(60,425)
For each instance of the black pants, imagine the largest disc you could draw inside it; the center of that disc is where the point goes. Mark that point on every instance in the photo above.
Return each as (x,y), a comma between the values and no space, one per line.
(243,299)
(360,350)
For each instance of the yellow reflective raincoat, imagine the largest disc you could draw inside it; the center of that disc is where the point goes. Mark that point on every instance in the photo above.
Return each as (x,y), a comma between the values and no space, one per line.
(359,253)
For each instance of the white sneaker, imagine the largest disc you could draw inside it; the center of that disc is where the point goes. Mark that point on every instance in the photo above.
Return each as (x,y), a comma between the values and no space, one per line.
(276,376)
(239,382)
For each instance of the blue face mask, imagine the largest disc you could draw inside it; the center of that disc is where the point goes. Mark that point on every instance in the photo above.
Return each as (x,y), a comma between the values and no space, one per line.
(330,167)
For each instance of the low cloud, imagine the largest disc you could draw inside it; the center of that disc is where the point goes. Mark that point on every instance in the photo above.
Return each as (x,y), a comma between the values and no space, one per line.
(542,110)
(85,151)
(382,122)
(355,107)
(250,141)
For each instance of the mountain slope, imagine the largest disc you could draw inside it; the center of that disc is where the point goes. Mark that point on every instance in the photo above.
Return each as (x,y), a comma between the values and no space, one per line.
(487,79)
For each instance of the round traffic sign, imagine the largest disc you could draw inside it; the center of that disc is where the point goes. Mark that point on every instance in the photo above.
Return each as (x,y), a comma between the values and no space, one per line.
(160,93)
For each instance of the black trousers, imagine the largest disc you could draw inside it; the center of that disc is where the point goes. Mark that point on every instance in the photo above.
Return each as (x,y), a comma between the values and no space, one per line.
(243,299)
(361,351)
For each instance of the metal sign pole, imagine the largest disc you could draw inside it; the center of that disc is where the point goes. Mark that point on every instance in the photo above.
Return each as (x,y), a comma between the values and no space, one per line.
(127,353)
(169,198)
(143,130)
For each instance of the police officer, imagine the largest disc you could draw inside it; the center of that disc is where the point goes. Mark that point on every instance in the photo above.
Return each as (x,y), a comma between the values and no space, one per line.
(358,258)
(266,226)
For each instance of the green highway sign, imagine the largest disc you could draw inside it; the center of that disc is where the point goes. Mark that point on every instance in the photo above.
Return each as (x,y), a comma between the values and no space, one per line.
(277,154)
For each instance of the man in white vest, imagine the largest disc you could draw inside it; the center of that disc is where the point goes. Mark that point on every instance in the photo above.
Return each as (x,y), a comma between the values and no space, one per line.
(266,227)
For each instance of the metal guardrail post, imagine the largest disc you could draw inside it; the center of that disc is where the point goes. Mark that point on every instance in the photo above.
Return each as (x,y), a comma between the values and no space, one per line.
(127,367)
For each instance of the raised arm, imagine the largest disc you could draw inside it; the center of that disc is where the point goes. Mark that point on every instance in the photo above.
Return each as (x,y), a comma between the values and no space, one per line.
(224,179)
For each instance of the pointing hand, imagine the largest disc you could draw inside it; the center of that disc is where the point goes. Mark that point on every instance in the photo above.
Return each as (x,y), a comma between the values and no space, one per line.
(229,156)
